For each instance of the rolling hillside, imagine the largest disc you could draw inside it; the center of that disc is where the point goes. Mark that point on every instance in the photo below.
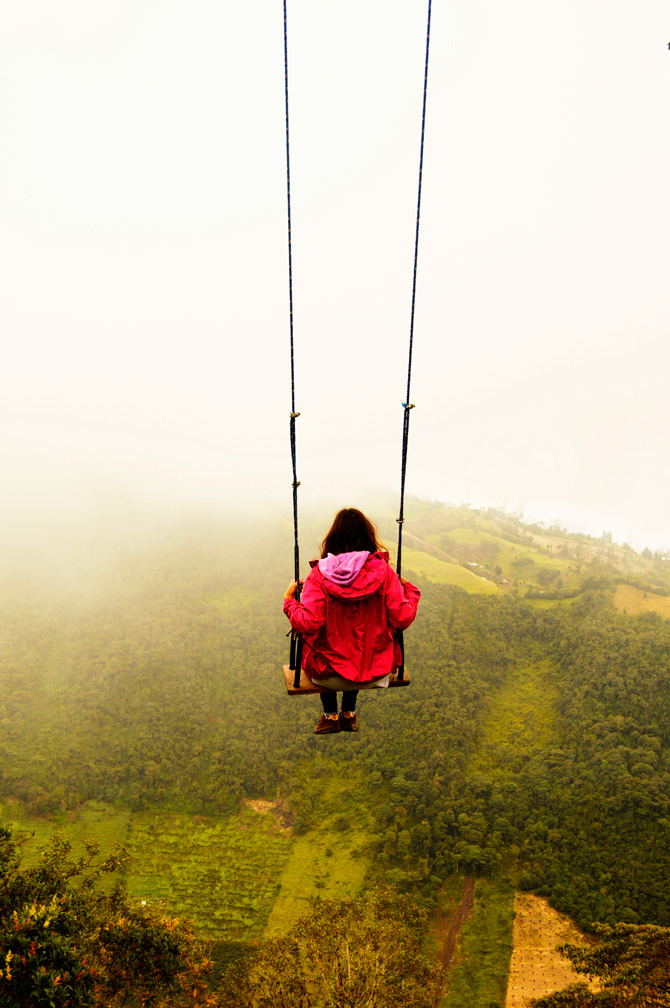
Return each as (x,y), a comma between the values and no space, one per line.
(142,702)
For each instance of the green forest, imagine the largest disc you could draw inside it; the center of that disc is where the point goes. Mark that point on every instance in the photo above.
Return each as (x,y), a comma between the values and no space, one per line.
(142,703)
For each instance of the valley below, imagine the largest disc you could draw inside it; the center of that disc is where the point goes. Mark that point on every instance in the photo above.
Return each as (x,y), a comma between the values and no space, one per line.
(515,795)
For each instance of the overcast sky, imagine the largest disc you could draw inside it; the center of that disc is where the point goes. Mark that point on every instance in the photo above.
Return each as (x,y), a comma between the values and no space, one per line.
(143,263)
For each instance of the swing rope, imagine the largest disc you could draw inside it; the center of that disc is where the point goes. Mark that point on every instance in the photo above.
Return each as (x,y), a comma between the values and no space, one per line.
(296,640)
(407,405)
(295,659)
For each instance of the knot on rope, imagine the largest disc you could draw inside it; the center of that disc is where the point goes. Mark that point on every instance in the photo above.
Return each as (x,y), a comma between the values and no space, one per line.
(408,406)
(294,415)
(296,484)
(400,521)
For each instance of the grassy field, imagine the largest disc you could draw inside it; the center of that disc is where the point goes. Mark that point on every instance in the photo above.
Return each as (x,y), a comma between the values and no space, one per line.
(224,874)
(519,721)
(546,603)
(516,560)
(331,860)
(96,821)
(324,863)
(525,556)
(220,873)
(235,876)
(446,573)
(478,976)
(633,600)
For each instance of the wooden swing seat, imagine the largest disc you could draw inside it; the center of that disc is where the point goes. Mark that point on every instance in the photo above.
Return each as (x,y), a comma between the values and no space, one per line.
(307,686)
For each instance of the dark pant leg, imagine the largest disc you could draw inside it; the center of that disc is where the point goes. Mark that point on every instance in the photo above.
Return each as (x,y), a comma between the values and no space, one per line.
(349,700)
(329,701)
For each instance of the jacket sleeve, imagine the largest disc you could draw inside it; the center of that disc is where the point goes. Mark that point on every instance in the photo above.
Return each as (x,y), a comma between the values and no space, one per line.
(401,601)
(309,614)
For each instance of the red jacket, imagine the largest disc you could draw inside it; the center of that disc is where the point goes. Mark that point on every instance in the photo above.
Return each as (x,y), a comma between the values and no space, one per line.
(350,631)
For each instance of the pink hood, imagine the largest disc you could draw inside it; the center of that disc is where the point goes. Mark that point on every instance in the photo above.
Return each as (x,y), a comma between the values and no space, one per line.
(343,568)
(368,575)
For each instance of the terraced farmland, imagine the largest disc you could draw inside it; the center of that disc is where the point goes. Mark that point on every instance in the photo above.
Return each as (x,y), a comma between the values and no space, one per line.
(221,874)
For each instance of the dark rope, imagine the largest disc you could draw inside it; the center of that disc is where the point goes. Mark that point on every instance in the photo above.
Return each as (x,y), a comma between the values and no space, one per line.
(296,641)
(407,405)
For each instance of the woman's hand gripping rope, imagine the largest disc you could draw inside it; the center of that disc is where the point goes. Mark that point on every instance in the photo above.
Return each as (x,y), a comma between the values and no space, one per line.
(292,588)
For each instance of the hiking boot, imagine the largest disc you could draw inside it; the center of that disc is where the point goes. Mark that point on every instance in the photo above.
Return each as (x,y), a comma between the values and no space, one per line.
(348,722)
(328,724)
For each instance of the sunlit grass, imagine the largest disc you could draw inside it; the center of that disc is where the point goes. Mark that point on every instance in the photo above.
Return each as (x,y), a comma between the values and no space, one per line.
(633,600)
(331,861)
(507,552)
(447,573)
(520,720)
(550,603)
(324,863)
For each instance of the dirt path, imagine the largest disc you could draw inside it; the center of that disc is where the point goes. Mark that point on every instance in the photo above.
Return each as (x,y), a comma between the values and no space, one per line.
(450,926)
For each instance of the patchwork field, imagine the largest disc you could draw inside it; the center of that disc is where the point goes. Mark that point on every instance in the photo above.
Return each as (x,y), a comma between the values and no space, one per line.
(517,561)
(221,874)
(236,876)
(224,874)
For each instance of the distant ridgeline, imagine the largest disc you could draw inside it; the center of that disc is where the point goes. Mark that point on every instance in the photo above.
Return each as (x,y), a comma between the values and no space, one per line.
(534,739)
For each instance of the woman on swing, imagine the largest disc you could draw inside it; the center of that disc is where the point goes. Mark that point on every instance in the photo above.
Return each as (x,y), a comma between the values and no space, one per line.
(350,606)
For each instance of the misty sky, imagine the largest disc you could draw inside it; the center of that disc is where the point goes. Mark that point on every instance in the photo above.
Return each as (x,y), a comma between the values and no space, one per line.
(143,264)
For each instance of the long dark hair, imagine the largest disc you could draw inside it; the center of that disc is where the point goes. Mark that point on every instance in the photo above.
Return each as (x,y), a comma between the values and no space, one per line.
(350,531)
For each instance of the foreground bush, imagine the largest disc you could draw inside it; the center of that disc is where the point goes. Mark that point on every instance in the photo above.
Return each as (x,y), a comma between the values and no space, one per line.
(66,944)
(351,953)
